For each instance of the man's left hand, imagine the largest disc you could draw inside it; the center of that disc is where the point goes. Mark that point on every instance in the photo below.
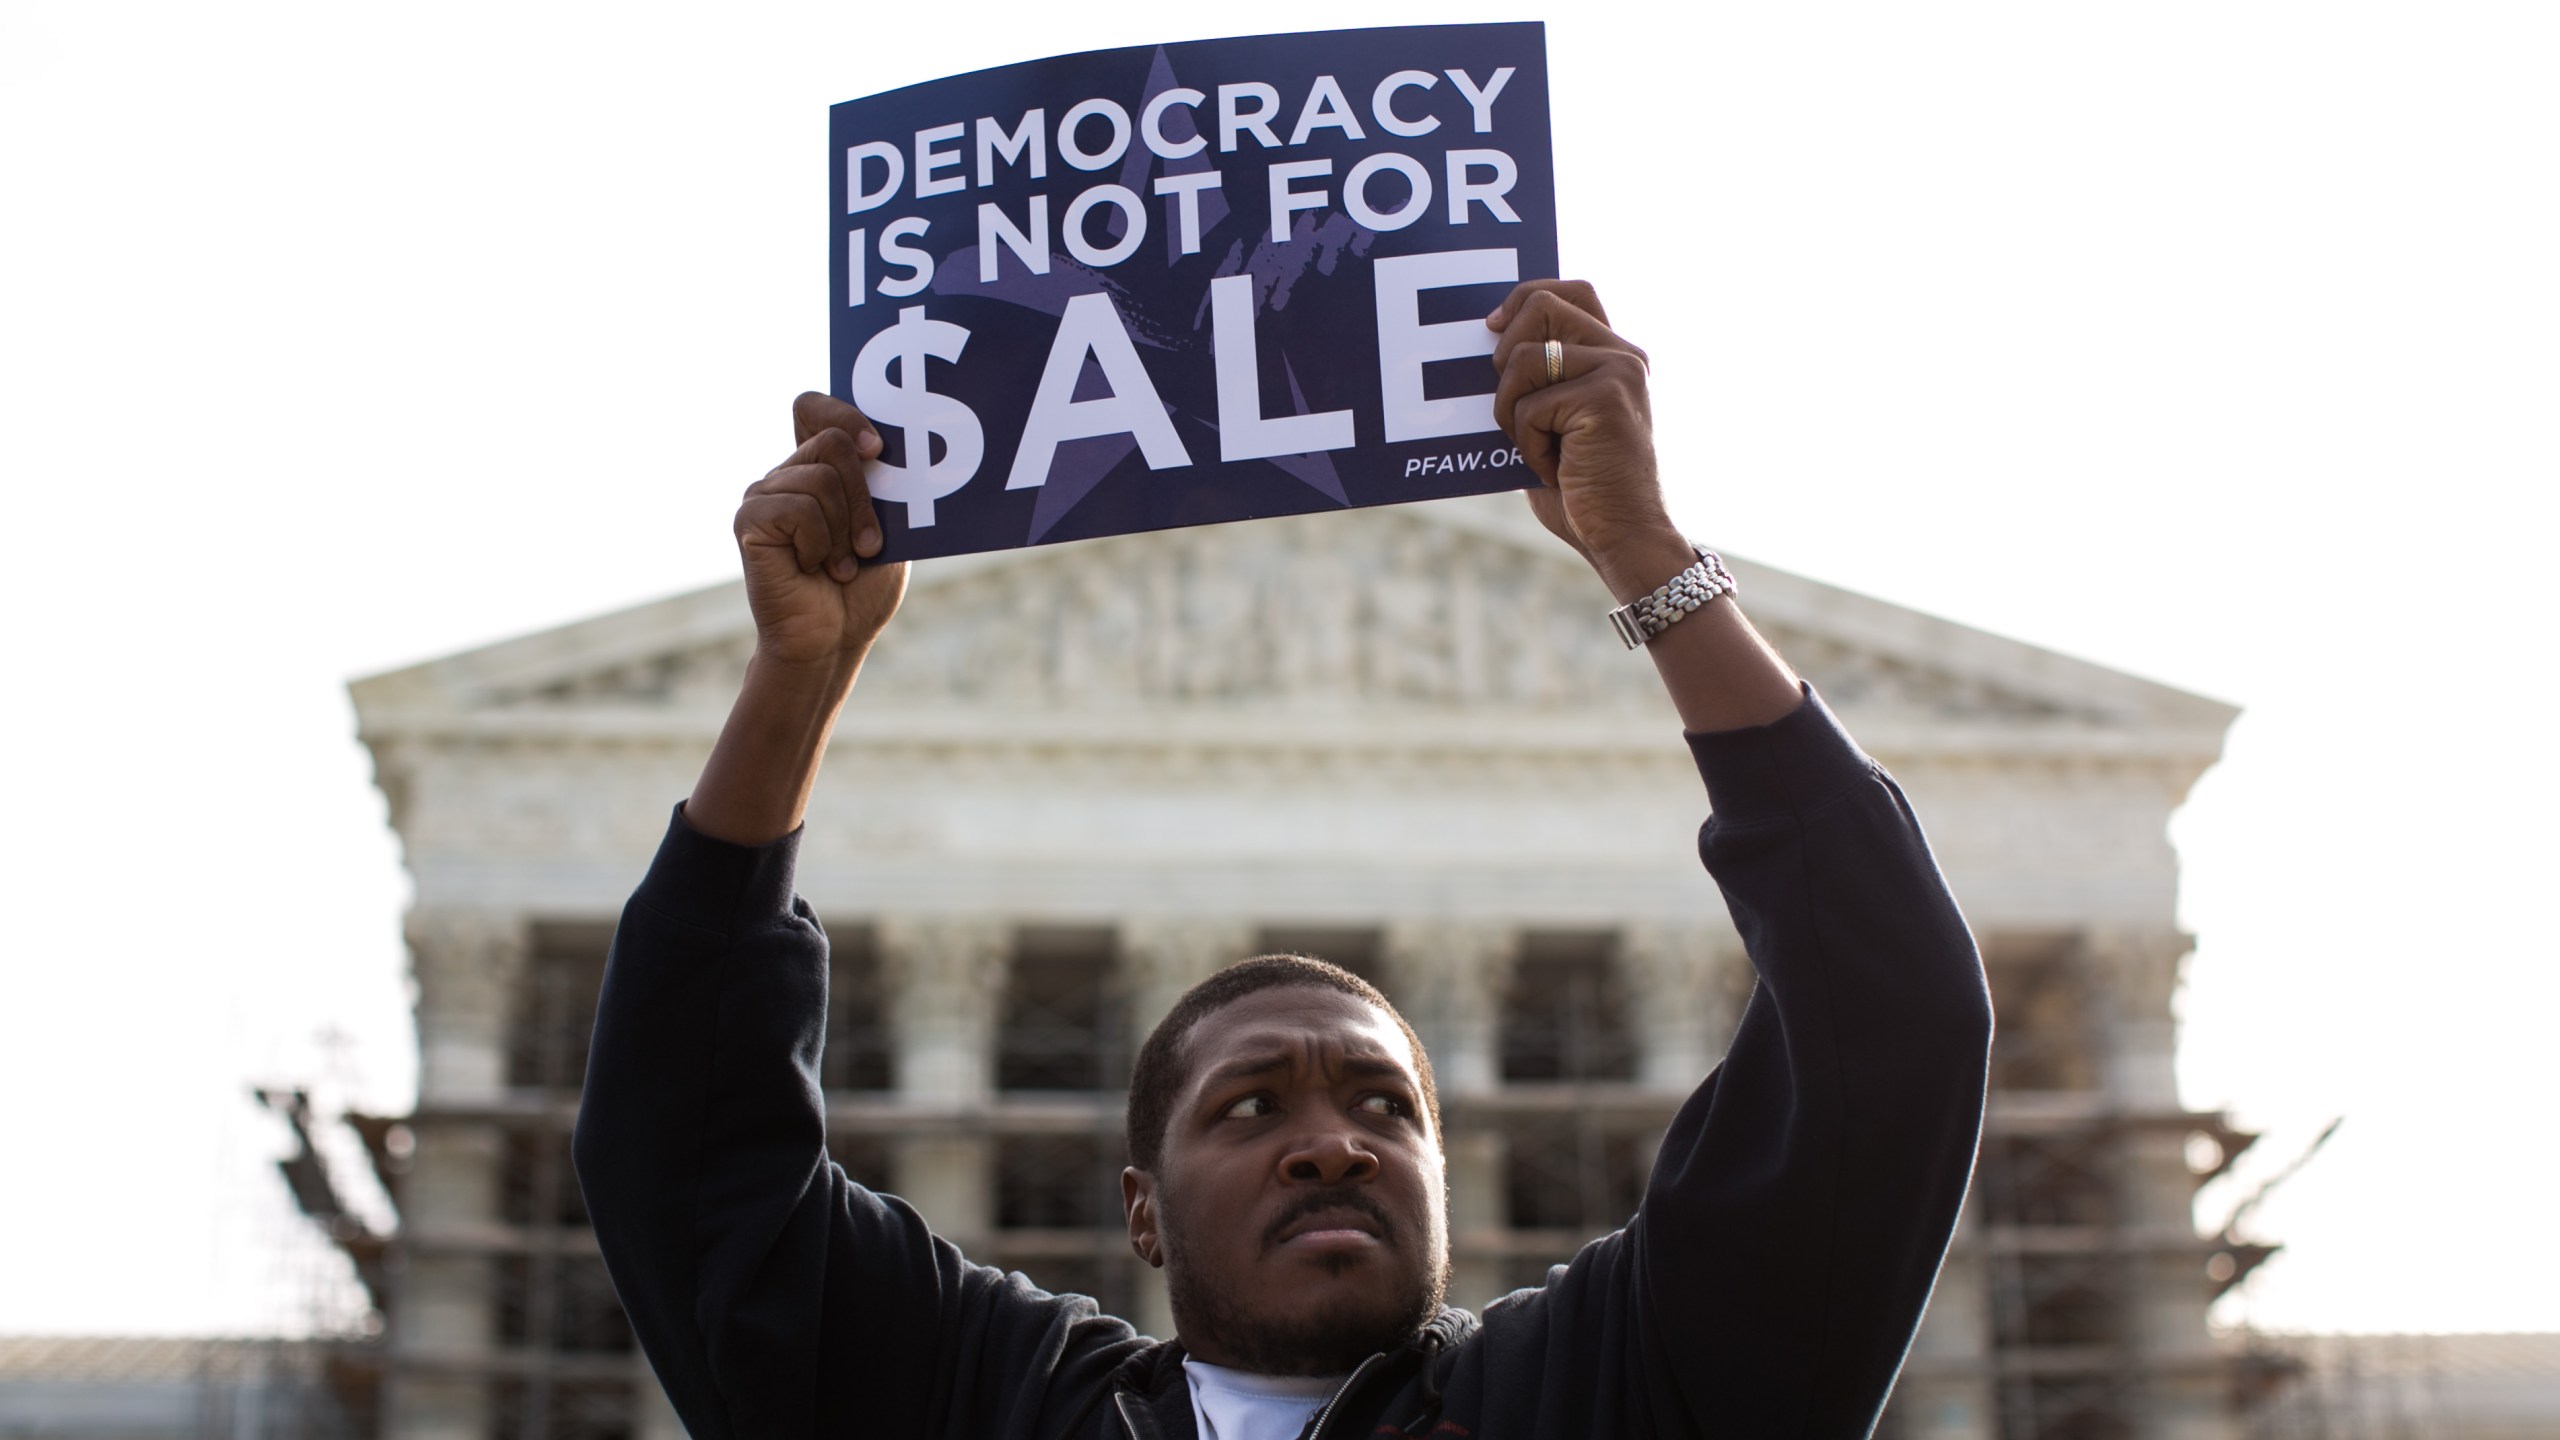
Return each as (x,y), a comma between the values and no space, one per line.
(1585,428)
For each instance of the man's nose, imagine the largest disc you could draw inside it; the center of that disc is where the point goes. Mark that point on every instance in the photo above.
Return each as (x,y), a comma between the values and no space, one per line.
(1329,1155)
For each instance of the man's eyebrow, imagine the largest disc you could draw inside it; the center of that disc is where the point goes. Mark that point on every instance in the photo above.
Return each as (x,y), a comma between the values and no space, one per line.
(1375,1067)
(1246,1067)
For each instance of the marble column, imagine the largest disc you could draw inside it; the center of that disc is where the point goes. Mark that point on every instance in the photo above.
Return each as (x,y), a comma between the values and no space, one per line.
(2134,972)
(1448,979)
(1946,1391)
(446,1306)
(945,983)
(1479,1216)
(653,1418)
(1681,989)
(1165,957)
(1162,957)
(466,964)
(1154,1308)
(2134,975)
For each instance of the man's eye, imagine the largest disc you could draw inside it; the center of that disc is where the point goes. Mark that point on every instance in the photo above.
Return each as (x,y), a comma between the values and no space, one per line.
(1251,1107)
(1384,1105)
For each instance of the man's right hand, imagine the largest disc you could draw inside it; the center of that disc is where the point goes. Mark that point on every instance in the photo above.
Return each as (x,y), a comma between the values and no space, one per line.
(805,534)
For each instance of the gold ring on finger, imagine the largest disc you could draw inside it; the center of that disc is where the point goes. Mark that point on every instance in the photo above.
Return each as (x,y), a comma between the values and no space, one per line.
(1555,361)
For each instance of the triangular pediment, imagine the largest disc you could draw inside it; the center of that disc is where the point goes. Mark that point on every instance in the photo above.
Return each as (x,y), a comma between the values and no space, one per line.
(1463,608)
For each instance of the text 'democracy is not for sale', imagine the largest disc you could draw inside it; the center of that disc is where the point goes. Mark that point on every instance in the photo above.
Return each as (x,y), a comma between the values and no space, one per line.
(1188,283)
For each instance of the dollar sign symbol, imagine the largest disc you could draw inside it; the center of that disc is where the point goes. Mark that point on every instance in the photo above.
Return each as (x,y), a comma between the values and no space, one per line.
(913,407)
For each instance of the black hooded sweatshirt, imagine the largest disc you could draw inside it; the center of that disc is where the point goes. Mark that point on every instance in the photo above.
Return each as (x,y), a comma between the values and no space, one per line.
(1768,1285)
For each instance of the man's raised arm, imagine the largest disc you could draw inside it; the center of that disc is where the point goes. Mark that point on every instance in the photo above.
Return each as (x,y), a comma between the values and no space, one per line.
(1803,1197)
(777,1299)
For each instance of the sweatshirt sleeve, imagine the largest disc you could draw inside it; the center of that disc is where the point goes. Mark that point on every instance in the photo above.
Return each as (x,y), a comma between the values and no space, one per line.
(775,1297)
(1805,1194)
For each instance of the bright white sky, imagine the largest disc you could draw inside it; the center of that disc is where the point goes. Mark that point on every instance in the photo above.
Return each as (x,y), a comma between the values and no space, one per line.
(2216,342)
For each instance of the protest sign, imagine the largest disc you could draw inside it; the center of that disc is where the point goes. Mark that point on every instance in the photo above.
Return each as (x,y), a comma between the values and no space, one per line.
(1187,283)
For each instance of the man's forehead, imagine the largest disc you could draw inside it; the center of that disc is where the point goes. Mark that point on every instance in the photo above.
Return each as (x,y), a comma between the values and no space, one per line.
(1286,1021)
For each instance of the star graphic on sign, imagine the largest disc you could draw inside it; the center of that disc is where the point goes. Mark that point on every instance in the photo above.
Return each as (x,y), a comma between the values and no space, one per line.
(1079,466)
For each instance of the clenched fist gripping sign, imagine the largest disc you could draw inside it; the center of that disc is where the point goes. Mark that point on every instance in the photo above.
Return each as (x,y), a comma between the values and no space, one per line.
(1181,284)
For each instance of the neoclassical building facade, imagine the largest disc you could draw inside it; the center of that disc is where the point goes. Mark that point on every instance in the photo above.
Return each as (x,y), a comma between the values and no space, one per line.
(1074,780)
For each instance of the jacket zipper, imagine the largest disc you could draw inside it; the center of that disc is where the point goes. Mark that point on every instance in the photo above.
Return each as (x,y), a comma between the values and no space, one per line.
(1326,1414)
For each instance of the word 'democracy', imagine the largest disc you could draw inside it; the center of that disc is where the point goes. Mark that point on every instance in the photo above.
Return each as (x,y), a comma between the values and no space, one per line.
(1187,283)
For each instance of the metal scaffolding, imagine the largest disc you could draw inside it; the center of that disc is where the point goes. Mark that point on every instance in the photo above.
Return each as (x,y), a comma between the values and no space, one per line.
(2093,1278)
(2082,1216)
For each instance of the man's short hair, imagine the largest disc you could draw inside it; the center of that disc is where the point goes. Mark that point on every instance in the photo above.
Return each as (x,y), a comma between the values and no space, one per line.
(1156,1081)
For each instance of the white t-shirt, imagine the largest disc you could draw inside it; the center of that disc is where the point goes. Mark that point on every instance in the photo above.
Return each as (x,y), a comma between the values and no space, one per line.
(1240,1405)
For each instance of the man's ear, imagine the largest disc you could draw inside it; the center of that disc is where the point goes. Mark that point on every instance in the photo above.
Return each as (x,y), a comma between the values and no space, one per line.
(1138,1203)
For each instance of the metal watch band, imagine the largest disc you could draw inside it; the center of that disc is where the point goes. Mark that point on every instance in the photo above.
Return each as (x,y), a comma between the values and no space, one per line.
(1646,616)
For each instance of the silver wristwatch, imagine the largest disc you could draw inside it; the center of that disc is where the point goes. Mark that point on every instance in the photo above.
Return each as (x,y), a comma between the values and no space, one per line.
(1646,616)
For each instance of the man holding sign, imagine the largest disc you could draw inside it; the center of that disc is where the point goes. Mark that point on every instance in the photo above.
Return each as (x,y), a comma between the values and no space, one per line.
(1285,1140)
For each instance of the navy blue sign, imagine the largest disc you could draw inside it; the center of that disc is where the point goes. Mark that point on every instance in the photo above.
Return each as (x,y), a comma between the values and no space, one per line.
(1181,284)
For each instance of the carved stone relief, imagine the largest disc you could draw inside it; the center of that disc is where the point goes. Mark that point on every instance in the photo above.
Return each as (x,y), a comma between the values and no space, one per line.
(1397,611)
(1853,676)
(696,673)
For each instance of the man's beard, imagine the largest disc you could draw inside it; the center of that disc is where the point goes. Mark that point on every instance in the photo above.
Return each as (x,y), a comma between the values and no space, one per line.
(1331,1341)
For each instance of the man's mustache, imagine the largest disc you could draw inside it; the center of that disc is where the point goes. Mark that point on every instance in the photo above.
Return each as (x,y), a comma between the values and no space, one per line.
(1339,1197)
